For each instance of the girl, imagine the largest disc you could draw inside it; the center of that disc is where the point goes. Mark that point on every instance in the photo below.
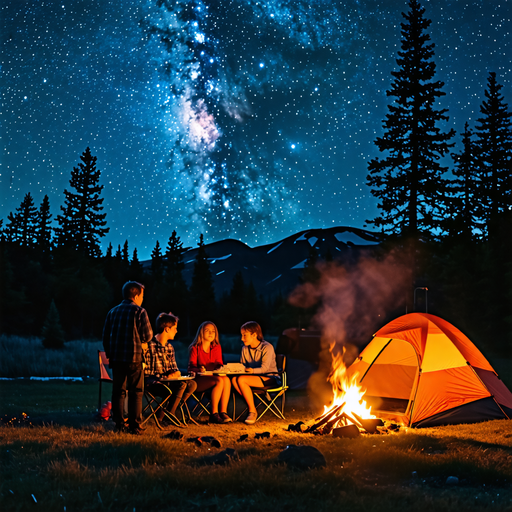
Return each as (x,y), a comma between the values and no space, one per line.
(259,359)
(205,355)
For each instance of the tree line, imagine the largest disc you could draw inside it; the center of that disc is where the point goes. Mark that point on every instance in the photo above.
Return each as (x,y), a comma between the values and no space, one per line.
(454,225)
(56,279)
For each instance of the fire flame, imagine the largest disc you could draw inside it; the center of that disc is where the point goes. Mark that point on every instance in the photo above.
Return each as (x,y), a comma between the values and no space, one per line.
(346,390)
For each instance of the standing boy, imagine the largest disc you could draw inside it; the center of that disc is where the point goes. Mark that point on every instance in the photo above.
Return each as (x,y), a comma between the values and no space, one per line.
(126,328)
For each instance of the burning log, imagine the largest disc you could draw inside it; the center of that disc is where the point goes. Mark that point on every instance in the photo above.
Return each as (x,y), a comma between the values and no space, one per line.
(370,425)
(324,419)
(330,424)
(346,431)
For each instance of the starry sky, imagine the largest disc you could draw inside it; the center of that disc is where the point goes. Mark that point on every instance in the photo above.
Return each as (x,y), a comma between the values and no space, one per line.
(236,118)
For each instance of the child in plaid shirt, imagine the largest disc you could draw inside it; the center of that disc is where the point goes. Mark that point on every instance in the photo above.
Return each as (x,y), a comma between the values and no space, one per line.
(161,363)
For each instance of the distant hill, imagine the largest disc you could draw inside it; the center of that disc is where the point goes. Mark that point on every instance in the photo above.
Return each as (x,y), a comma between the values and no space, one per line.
(276,267)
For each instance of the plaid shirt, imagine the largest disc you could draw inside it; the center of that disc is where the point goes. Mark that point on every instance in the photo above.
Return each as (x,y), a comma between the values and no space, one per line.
(160,359)
(126,328)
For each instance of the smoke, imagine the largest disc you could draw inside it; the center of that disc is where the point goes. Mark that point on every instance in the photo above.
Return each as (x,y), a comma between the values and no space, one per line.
(353,301)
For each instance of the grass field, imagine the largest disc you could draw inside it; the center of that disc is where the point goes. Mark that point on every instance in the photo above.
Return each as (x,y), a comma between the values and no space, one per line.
(61,458)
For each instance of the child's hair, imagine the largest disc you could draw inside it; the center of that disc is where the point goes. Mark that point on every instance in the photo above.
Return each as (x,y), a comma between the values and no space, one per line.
(164,320)
(253,327)
(200,335)
(131,289)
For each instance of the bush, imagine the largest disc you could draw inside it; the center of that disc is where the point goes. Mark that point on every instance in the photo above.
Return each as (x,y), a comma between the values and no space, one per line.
(53,334)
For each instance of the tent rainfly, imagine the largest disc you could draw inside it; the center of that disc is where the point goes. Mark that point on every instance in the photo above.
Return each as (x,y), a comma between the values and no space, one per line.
(421,371)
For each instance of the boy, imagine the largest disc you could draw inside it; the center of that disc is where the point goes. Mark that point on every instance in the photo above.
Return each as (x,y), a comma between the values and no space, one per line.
(126,328)
(161,362)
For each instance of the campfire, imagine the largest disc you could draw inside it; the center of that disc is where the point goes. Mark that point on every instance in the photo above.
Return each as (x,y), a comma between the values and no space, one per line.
(348,415)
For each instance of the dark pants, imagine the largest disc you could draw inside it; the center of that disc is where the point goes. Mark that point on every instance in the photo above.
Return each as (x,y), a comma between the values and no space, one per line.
(181,391)
(127,377)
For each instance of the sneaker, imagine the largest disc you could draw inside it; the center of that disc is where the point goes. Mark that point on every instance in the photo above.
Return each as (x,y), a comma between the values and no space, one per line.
(215,418)
(225,418)
(136,431)
(121,429)
(251,418)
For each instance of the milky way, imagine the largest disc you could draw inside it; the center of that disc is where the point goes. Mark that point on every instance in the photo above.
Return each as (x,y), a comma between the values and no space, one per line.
(242,119)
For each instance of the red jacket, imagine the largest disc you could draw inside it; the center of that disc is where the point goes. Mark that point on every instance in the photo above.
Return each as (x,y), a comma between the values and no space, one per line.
(197,357)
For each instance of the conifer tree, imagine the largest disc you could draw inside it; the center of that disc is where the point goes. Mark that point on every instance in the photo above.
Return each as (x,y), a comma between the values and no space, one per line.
(202,290)
(465,208)
(409,182)
(157,262)
(136,268)
(125,254)
(175,288)
(21,228)
(81,224)
(44,229)
(494,145)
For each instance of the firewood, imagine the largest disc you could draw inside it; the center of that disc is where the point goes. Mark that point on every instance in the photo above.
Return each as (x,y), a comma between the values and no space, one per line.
(330,424)
(347,431)
(324,419)
(370,425)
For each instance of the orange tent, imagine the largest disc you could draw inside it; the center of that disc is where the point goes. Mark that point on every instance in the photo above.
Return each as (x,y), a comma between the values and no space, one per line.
(422,371)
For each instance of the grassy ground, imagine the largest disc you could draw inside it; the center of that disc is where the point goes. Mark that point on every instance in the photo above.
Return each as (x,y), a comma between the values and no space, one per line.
(60,458)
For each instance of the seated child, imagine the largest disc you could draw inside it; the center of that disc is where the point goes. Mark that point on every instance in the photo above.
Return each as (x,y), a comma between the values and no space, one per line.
(161,363)
(258,357)
(205,355)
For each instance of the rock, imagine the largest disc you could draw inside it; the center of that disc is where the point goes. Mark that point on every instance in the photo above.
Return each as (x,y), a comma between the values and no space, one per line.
(297,427)
(221,458)
(452,480)
(174,434)
(302,457)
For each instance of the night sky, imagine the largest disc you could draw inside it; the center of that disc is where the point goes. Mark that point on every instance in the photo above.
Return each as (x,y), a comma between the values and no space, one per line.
(258,123)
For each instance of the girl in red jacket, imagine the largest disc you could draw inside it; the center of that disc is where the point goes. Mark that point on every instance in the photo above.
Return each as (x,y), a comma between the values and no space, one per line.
(205,356)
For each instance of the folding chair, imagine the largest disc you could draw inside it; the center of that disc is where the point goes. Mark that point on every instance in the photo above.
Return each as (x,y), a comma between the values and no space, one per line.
(155,403)
(104,372)
(200,406)
(268,395)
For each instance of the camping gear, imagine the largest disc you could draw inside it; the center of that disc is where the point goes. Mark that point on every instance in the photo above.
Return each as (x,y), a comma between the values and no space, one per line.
(421,371)
(302,349)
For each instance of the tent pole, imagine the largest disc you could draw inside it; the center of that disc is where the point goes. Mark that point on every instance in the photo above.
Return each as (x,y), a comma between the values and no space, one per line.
(416,390)
(375,359)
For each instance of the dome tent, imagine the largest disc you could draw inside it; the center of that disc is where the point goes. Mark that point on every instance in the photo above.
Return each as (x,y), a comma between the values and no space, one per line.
(422,371)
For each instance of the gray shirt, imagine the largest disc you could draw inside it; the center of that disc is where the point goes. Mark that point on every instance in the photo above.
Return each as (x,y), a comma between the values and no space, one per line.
(261,359)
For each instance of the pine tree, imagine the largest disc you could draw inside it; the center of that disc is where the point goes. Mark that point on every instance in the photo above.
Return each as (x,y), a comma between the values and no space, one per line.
(44,229)
(175,288)
(202,290)
(81,224)
(465,207)
(409,182)
(125,255)
(494,143)
(136,268)
(157,262)
(21,228)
